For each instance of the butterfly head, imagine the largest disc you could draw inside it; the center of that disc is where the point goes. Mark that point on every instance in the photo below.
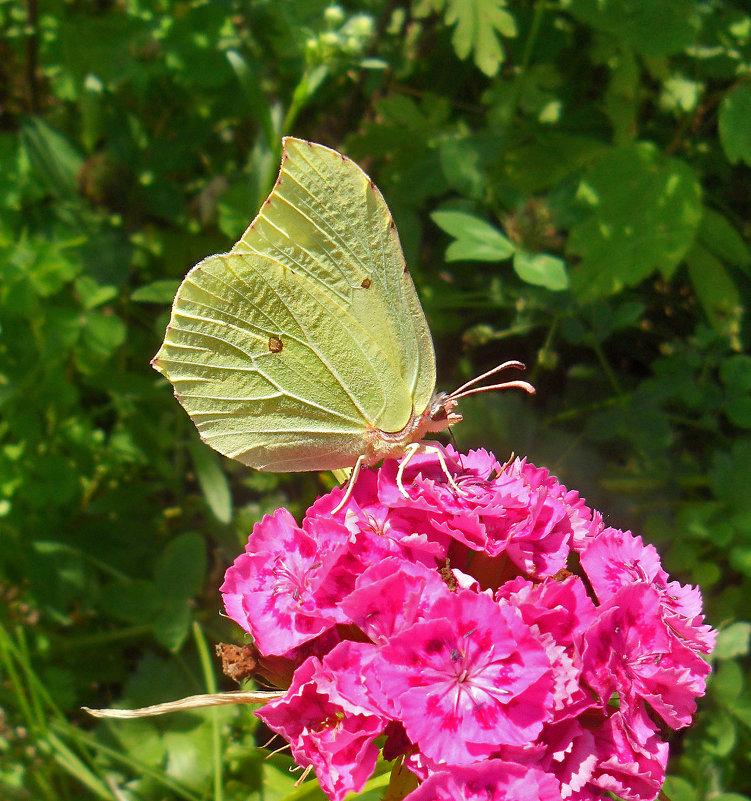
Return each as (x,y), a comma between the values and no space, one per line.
(440,413)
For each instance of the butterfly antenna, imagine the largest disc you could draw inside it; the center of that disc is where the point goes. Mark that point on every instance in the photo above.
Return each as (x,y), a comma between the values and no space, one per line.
(469,389)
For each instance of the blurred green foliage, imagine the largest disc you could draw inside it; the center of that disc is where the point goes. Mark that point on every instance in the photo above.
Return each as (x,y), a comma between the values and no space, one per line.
(570,181)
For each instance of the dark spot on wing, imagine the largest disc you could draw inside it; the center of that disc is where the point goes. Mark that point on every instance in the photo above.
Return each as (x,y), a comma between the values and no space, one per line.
(275,344)
(366,283)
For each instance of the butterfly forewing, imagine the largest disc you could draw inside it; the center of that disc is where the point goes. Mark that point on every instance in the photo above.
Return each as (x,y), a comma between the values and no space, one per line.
(326,220)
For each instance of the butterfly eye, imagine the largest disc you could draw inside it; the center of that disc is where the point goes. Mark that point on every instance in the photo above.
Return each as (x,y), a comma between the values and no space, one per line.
(275,344)
(366,282)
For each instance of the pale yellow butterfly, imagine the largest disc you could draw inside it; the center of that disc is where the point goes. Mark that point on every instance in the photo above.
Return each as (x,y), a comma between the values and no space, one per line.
(305,347)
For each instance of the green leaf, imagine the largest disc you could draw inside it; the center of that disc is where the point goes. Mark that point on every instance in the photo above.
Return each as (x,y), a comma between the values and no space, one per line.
(717,235)
(735,374)
(541,269)
(463,166)
(678,789)
(161,291)
(733,641)
(727,681)
(643,212)
(722,734)
(212,481)
(102,335)
(730,797)
(651,27)
(479,26)
(735,131)
(57,163)
(533,167)
(93,294)
(476,240)
(258,103)
(179,576)
(716,291)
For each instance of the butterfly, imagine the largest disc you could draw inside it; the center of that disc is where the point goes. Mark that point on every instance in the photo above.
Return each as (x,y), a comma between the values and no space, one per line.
(305,347)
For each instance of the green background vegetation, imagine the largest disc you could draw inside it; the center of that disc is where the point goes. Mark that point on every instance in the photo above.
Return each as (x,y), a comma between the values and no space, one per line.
(570,179)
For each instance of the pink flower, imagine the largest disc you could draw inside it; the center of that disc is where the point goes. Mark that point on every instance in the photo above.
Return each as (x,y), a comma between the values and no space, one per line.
(616,558)
(282,589)
(328,721)
(468,680)
(491,780)
(630,650)
(389,597)
(631,758)
(483,633)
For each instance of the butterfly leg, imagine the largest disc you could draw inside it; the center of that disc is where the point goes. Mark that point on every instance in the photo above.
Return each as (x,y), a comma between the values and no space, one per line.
(410,451)
(442,460)
(350,484)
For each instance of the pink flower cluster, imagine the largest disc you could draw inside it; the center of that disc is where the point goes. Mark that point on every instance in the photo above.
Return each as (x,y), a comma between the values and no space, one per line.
(500,639)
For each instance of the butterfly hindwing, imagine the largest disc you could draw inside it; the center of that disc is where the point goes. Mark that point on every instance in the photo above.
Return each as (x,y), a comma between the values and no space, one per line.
(245,354)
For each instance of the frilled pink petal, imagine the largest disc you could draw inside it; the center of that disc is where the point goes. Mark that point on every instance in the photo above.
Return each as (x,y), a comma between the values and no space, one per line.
(671,685)
(490,780)
(582,523)
(277,591)
(392,596)
(424,479)
(539,544)
(325,728)
(695,633)
(631,758)
(560,608)
(616,558)
(469,679)
(569,698)
(627,630)
(571,756)
(630,650)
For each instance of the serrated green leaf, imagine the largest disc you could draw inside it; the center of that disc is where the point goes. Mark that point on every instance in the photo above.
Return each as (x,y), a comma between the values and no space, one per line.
(476,239)
(541,269)
(735,131)
(479,26)
(643,212)
(212,481)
